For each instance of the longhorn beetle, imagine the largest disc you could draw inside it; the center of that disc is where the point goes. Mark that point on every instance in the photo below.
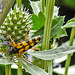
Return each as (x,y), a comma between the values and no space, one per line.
(24,45)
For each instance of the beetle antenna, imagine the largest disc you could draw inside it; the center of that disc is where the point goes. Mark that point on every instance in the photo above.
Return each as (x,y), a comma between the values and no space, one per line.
(17,64)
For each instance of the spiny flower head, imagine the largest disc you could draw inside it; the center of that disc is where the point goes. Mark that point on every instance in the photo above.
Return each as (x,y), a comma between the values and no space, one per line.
(16,25)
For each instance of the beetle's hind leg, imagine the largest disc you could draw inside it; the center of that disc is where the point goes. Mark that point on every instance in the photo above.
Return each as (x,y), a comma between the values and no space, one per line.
(35,49)
(24,58)
(27,33)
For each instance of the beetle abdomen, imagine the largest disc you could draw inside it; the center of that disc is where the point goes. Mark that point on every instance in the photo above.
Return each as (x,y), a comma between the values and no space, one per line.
(27,44)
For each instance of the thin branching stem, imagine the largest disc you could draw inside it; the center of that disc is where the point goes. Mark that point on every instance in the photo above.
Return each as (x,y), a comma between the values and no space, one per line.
(69,55)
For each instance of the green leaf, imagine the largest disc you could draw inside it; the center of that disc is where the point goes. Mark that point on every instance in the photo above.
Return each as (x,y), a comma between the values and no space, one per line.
(60,60)
(53,53)
(38,21)
(39,32)
(5,61)
(36,6)
(71,70)
(56,25)
(70,23)
(32,69)
(61,33)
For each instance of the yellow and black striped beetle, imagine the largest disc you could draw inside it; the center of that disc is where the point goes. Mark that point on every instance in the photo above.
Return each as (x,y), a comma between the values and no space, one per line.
(24,45)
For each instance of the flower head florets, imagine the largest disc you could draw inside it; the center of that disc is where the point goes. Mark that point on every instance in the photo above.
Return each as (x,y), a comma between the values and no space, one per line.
(16,24)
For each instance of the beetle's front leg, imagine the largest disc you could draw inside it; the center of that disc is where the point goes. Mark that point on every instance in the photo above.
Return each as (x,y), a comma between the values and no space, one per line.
(12,41)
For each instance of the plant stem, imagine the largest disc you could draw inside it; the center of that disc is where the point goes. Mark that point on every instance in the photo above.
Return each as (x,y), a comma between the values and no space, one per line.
(19,71)
(7,4)
(19,2)
(49,67)
(43,6)
(8,70)
(47,31)
(69,55)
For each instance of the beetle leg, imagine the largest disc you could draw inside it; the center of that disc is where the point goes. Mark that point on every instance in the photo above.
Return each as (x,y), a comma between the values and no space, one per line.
(16,63)
(12,40)
(16,55)
(11,44)
(24,58)
(36,49)
(27,33)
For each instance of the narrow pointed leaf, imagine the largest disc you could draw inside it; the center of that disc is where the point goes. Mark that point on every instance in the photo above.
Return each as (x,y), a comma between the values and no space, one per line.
(56,25)
(53,53)
(70,23)
(32,69)
(60,33)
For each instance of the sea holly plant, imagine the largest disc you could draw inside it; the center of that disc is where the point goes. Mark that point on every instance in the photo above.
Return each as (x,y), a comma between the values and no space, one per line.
(16,23)
(57,31)
(45,24)
(70,24)
(68,69)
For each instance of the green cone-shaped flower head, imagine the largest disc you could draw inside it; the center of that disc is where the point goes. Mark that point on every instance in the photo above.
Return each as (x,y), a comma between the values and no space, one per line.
(16,25)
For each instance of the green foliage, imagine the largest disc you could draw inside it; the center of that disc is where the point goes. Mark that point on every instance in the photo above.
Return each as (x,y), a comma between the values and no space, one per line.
(56,25)
(60,33)
(5,61)
(53,53)
(14,25)
(38,21)
(70,23)
(37,7)
(56,30)
(32,69)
